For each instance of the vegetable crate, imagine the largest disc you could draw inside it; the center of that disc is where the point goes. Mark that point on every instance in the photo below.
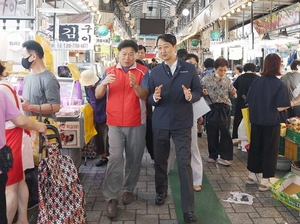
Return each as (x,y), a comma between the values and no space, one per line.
(292,150)
(281,146)
(294,136)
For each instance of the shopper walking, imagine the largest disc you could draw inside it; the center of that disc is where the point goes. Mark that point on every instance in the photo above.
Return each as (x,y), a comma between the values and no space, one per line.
(41,95)
(90,81)
(196,161)
(174,86)
(292,81)
(126,86)
(218,90)
(267,96)
(242,85)
(9,111)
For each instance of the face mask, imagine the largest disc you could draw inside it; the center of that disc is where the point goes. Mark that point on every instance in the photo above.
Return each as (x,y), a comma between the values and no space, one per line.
(26,63)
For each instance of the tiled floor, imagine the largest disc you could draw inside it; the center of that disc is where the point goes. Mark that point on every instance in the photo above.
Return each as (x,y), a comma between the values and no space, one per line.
(265,209)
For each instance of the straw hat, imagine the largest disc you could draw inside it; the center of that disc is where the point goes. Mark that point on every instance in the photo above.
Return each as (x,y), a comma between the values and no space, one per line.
(88,78)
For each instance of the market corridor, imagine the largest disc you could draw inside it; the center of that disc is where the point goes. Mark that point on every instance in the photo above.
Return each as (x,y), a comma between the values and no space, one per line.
(265,209)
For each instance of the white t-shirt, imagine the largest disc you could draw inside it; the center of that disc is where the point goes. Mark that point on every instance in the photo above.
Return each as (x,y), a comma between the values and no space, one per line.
(9,93)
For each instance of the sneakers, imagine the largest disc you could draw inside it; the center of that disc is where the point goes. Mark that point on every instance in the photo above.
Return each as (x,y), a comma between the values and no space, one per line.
(224,162)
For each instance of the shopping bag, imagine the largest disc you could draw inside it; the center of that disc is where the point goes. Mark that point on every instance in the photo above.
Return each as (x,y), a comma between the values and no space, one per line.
(246,118)
(242,133)
(89,128)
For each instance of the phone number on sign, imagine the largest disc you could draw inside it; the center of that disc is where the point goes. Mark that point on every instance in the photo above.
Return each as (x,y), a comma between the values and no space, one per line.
(70,46)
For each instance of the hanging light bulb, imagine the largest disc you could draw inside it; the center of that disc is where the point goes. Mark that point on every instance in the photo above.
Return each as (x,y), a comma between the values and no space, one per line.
(185,12)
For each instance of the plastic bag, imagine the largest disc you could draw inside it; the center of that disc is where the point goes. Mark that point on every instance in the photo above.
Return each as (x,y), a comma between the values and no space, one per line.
(240,198)
(242,134)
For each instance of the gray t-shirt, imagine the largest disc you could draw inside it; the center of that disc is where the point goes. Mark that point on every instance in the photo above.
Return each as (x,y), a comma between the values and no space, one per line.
(41,89)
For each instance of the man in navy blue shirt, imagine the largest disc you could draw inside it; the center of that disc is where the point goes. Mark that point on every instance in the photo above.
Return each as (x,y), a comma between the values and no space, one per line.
(174,85)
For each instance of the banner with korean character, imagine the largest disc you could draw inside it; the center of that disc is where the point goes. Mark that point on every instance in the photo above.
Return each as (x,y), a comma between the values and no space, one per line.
(78,36)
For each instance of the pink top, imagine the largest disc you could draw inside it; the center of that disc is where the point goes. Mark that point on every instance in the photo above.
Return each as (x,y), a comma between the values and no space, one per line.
(8,111)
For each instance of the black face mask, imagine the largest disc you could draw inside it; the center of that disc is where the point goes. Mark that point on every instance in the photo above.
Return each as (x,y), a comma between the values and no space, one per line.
(26,63)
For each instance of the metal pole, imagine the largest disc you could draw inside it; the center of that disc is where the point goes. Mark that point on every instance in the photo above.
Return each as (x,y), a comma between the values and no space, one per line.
(54,20)
(252,33)
(243,23)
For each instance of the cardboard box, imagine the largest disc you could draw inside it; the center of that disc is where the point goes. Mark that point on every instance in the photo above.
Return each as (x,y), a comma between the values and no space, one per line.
(287,190)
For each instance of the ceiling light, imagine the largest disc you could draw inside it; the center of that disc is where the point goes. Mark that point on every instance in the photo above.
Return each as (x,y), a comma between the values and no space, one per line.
(266,37)
(249,3)
(238,9)
(185,12)
(228,15)
(220,18)
(224,18)
(243,6)
(106,1)
(232,11)
(282,33)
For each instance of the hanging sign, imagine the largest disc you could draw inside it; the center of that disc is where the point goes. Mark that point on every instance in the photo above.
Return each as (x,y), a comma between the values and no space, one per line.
(14,41)
(77,36)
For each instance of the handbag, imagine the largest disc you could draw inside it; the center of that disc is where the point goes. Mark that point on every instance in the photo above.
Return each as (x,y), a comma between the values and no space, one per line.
(6,159)
(218,117)
(61,195)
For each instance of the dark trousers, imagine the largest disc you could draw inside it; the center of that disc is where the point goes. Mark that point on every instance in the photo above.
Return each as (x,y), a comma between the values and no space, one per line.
(182,140)
(32,182)
(263,152)
(149,137)
(219,141)
(3,179)
(236,122)
(101,138)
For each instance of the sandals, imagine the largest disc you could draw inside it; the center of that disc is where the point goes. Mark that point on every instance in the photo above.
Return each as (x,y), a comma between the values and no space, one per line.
(197,188)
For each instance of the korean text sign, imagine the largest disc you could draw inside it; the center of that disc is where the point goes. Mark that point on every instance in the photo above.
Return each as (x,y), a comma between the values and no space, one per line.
(79,36)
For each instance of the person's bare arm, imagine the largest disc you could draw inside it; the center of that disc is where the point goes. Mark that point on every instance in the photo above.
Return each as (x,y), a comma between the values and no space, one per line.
(101,89)
(43,109)
(24,122)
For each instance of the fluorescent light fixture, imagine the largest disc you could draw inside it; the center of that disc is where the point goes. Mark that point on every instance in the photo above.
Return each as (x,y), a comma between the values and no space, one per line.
(58,11)
(172,10)
(144,10)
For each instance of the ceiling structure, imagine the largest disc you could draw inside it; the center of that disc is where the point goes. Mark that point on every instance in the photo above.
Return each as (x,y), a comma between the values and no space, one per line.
(129,13)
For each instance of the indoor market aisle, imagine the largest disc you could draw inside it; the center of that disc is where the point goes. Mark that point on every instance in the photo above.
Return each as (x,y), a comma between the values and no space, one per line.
(222,180)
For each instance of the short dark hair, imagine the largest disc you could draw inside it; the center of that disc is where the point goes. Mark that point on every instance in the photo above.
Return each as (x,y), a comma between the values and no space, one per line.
(32,45)
(2,68)
(249,67)
(239,68)
(168,38)
(220,62)
(181,53)
(189,56)
(294,64)
(272,65)
(208,63)
(139,61)
(128,43)
(141,47)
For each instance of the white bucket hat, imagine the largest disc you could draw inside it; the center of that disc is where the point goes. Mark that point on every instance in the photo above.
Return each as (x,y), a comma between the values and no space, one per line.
(88,78)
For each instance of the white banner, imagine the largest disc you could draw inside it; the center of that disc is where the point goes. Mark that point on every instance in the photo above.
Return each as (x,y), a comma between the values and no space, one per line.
(79,36)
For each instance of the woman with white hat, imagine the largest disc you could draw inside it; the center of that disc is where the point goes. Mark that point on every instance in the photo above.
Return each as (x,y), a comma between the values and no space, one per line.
(90,80)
